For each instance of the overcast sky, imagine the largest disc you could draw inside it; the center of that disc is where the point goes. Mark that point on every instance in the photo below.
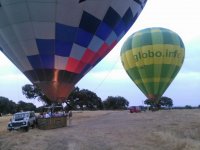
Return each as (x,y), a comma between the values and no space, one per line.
(108,78)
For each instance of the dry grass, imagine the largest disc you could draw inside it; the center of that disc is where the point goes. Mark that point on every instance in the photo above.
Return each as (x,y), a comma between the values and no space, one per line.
(107,130)
(3,123)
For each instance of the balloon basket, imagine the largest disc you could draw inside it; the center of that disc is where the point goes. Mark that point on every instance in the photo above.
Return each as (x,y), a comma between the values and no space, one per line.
(51,123)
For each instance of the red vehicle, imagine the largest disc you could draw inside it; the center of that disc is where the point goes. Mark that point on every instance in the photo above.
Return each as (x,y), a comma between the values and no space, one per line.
(135,109)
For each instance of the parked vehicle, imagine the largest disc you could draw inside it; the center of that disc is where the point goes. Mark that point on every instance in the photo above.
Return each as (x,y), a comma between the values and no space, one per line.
(135,109)
(22,120)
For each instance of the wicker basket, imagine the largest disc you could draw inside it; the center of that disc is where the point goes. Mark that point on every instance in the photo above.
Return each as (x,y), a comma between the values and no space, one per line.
(51,123)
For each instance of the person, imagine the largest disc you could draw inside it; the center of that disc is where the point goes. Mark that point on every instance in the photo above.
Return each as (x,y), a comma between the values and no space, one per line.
(49,113)
(70,113)
(70,117)
(56,114)
(40,115)
(46,115)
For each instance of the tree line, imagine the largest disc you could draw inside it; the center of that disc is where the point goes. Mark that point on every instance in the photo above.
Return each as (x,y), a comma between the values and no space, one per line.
(85,99)
(9,107)
(78,100)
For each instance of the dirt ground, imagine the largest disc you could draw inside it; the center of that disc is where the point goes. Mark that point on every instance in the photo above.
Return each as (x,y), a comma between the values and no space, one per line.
(112,130)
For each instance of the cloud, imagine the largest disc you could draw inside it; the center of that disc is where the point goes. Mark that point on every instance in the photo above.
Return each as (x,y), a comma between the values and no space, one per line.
(13,78)
(192,54)
(187,80)
(7,67)
(117,74)
(5,62)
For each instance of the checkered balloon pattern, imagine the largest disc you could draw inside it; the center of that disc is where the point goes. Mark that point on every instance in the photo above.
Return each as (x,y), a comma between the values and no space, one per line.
(56,42)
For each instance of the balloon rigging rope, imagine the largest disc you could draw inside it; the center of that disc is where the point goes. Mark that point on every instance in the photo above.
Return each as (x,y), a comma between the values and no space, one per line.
(107,75)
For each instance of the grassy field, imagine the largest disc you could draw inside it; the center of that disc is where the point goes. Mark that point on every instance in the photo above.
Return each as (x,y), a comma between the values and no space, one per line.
(3,124)
(117,130)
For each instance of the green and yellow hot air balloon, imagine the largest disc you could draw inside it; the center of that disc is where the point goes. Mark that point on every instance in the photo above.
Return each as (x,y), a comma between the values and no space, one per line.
(152,57)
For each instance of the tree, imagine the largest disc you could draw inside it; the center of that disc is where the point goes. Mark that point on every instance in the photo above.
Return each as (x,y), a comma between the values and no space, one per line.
(25,106)
(166,102)
(152,103)
(114,103)
(32,92)
(12,107)
(84,99)
(73,99)
(7,106)
(188,107)
(157,104)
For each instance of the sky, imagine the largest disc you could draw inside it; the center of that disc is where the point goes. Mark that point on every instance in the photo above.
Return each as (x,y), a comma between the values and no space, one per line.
(108,78)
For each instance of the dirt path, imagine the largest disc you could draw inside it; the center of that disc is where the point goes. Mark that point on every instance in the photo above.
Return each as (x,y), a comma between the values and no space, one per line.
(114,130)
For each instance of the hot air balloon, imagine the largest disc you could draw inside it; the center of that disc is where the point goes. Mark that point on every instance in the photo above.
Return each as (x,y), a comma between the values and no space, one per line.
(56,42)
(152,58)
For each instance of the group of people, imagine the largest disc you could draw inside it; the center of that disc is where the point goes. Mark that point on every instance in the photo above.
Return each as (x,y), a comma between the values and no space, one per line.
(49,114)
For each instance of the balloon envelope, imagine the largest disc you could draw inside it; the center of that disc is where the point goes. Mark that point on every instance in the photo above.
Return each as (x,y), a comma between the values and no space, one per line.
(56,42)
(152,58)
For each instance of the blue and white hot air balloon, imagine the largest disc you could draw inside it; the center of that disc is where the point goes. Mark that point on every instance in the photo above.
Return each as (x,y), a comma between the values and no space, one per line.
(56,42)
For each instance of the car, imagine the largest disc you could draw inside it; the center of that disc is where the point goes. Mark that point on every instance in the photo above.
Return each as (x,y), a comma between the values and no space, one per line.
(135,109)
(22,120)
